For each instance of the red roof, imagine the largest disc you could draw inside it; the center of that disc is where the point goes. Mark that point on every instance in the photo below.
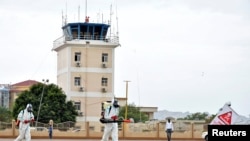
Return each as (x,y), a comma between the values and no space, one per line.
(26,83)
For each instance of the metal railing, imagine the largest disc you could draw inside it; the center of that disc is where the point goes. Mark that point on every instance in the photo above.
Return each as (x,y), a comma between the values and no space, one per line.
(63,39)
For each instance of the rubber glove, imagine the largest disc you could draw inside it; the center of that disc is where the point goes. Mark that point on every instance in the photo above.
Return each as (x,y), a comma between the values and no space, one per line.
(26,121)
(114,117)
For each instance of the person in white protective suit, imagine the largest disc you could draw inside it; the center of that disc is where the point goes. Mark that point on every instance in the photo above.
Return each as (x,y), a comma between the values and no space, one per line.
(26,117)
(110,113)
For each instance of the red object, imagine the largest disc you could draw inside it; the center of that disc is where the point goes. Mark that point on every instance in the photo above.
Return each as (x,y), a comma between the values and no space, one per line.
(26,121)
(114,117)
(32,120)
(126,120)
(86,19)
(226,117)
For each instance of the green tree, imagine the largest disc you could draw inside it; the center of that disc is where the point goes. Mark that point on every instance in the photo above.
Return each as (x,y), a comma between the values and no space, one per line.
(133,112)
(5,114)
(53,106)
(210,118)
(196,116)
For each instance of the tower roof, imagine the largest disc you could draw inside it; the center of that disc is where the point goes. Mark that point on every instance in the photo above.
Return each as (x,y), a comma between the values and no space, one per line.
(86,30)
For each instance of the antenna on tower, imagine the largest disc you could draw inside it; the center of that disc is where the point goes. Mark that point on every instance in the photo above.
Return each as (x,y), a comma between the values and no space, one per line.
(86,8)
(86,16)
(110,18)
(66,14)
(62,18)
(79,13)
(117,31)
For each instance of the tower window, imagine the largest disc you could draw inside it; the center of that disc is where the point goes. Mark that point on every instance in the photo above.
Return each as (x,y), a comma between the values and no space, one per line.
(105,57)
(77,56)
(77,81)
(104,81)
(78,105)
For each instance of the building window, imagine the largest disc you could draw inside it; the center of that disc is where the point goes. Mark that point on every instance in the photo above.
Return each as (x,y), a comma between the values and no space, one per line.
(104,57)
(77,81)
(77,56)
(78,106)
(104,81)
(4,98)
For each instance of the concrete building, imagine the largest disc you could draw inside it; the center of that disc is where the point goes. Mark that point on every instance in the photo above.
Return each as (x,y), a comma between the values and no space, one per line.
(85,66)
(9,93)
(4,95)
(18,88)
(85,69)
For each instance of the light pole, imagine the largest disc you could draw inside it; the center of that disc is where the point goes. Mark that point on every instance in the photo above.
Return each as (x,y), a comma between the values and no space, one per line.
(44,81)
(126,108)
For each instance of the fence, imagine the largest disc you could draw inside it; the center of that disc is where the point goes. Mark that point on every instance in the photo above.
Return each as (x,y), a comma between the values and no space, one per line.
(154,130)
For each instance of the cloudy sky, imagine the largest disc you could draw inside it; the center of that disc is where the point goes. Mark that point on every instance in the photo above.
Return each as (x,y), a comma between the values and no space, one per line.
(179,55)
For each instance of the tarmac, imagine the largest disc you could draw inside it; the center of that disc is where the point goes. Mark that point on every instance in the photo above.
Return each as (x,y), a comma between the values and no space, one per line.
(12,139)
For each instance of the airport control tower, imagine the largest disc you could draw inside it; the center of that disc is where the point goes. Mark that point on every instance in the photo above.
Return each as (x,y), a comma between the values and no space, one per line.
(85,66)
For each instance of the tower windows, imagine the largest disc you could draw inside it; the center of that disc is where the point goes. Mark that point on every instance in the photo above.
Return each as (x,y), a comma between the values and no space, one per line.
(77,81)
(77,56)
(78,105)
(104,57)
(104,81)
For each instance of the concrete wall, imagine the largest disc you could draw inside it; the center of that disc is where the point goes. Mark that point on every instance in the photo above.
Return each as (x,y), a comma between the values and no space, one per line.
(150,130)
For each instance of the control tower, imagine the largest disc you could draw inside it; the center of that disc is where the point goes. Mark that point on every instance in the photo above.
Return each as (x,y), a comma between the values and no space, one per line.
(85,66)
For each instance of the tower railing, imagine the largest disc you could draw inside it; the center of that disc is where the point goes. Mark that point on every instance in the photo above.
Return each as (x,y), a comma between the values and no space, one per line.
(63,39)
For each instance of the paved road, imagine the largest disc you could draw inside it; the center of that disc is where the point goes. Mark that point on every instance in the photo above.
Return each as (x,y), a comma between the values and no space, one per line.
(10,139)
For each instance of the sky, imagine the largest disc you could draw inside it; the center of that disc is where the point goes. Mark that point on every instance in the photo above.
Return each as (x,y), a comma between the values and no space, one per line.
(178,55)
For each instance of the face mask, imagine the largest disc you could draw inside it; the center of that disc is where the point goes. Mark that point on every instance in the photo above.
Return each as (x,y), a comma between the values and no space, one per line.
(115,104)
(29,109)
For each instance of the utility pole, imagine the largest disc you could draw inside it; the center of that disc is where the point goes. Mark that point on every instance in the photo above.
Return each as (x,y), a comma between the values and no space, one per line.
(44,81)
(126,108)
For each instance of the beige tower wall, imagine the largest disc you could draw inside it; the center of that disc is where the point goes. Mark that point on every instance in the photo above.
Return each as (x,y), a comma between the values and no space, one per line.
(90,69)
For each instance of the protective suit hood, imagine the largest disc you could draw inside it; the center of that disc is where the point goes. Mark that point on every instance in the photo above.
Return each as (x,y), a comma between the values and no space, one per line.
(29,107)
(115,103)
